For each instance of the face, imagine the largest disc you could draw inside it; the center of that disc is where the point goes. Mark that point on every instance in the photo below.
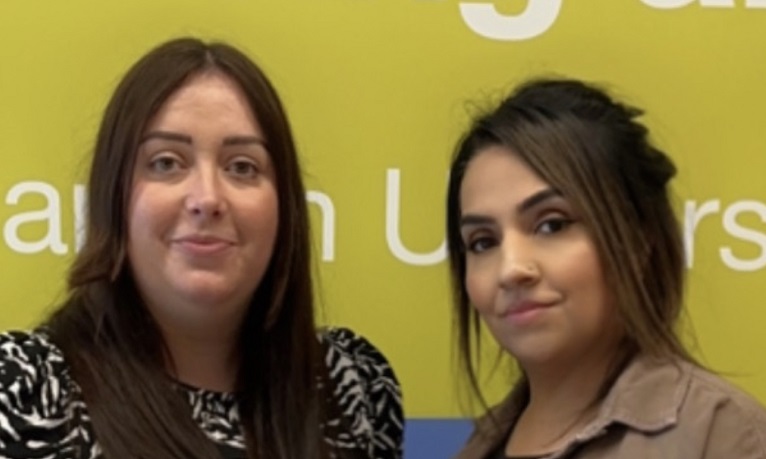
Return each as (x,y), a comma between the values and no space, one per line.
(203,211)
(532,271)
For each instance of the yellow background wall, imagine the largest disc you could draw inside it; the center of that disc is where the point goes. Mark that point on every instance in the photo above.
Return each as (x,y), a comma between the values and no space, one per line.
(382,88)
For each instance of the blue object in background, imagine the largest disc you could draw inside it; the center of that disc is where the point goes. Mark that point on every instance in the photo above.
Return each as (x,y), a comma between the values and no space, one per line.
(435,438)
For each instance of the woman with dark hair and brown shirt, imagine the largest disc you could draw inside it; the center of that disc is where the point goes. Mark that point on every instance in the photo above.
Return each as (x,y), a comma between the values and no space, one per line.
(189,330)
(563,243)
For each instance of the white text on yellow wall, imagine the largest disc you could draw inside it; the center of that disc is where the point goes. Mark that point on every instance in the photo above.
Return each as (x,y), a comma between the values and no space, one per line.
(540,15)
(47,220)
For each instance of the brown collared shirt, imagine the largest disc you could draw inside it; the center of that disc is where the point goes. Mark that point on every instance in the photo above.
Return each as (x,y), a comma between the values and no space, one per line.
(655,410)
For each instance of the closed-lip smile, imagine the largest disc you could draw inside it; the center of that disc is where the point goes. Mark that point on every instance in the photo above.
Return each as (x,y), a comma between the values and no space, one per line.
(202,244)
(522,312)
(520,307)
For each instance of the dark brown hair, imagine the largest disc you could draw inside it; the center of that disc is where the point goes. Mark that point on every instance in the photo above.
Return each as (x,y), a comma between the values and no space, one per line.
(592,150)
(106,332)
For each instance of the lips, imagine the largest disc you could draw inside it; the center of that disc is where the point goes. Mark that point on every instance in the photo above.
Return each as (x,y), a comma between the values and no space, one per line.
(203,245)
(524,312)
(524,306)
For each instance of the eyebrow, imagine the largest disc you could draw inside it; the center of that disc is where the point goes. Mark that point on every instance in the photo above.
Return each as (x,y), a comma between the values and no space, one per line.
(536,199)
(243,140)
(528,203)
(183,138)
(163,135)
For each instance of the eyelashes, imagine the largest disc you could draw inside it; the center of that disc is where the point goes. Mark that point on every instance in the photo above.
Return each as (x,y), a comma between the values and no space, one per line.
(165,163)
(481,240)
(171,164)
(243,168)
(553,225)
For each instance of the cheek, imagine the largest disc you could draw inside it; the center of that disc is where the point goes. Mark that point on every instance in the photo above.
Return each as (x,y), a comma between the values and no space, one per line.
(574,266)
(480,289)
(260,215)
(590,273)
(147,213)
(139,218)
(589,284)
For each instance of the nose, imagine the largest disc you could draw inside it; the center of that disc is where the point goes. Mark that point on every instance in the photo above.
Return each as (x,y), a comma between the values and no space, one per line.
(205,197)
(519,267)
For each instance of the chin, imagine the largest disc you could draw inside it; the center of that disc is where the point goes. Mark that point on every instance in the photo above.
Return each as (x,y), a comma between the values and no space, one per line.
(535,353)
(212,297)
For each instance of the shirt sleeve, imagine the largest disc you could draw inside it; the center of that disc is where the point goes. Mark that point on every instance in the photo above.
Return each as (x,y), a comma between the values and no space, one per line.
(31,393)
(369,393)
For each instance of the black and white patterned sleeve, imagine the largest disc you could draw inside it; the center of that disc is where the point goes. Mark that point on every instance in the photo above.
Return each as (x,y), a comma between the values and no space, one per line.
(31,392)
(369,393)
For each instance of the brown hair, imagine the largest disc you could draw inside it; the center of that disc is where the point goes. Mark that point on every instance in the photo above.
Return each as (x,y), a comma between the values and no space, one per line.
(593,150)
(108,336)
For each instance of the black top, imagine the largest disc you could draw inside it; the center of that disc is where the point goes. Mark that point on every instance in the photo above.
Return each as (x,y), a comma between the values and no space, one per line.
(42,414)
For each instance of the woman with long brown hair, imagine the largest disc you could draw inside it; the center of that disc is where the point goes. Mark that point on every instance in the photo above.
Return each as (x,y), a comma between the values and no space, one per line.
(189,330)
(563,243)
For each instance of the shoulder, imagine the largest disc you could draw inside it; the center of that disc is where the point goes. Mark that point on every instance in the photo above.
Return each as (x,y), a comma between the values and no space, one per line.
(352,359)
(33,372)
(721,392)
(670,404)
(700,412)
(732,418)
(28,356)
(367,389)
(36,396)
(347,348)
(715,393)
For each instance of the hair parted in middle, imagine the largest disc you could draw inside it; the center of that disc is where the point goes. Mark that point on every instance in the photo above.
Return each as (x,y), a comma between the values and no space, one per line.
(116,350)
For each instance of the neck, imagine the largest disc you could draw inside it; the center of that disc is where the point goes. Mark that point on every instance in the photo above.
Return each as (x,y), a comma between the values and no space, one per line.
(563,393)
(562,401)
(203,360)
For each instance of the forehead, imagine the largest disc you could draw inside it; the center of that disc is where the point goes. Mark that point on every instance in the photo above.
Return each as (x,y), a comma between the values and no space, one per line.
(497,176)
(207,96)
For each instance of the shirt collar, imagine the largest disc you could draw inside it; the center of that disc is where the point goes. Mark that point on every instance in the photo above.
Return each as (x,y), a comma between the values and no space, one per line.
(647,396)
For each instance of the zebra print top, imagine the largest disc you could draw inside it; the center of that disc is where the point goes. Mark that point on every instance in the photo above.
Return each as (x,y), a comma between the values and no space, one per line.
(42,414)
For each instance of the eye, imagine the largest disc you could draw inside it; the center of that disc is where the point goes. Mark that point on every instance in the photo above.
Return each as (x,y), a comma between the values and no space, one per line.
(480,244)
(553,225)
(165,163)
(242,168)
